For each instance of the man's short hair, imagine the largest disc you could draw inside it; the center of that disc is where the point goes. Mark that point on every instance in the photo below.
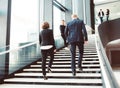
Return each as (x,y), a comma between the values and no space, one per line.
(74,16)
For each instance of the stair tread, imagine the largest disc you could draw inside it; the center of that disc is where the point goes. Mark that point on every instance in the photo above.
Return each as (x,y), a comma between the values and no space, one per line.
(52,80)
(67,65)
(46,86)
(60,74)
(76,56)
(64,69)
(67,62)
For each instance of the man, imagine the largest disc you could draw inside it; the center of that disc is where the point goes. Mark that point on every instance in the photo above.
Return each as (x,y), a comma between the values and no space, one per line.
(77,35)
(101,15)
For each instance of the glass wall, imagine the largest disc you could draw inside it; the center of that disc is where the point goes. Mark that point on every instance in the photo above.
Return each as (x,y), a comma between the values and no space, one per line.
(58,15)
(24,29)
(24,22)
(3,22)
(3,28)
(57,21)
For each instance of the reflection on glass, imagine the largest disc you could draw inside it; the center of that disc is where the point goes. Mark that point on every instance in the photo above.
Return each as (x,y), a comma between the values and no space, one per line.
(24,30)
(57,21)
(24,22)
(3,27)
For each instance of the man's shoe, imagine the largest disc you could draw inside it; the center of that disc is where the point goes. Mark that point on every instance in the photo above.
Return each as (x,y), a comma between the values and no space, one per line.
(74,74)
(80,68)
(45,77)
(49,70)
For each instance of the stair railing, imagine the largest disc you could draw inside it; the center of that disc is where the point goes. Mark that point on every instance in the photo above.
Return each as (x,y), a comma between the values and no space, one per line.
(109,80)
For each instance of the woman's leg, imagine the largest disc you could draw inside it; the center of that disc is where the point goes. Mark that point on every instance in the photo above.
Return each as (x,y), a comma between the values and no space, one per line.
(51,52)
(44,57)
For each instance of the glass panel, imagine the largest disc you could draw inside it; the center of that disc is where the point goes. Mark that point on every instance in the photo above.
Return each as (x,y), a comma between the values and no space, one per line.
(24,30)
(3,27)
(24,22)
(2,65)
(57,21)
(22,57)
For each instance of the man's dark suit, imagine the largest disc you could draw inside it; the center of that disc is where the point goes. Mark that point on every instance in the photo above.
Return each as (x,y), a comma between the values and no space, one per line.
(76,35)
(46,38)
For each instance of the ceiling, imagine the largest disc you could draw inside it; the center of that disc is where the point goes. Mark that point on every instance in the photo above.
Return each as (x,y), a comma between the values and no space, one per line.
(104,1)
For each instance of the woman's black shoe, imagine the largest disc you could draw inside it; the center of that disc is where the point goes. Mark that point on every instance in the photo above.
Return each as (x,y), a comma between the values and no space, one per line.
(45,77)
(49,70)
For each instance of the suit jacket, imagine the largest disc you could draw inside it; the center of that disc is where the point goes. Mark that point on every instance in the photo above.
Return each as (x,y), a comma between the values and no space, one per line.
(46,38)
(101,15)
(76,31)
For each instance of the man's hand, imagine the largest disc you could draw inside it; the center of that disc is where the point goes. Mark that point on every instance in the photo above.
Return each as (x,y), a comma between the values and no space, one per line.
(55,51)
(85,42)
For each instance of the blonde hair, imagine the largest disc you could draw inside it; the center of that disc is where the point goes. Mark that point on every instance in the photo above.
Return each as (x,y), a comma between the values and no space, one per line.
(45,25)
(74,16)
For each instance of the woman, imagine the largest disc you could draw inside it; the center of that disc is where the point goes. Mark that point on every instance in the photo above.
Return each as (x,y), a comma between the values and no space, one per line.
(107,14)
(47,47)
(62,30)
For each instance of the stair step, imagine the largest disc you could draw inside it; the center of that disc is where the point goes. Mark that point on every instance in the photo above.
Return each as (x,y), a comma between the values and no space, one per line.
(61,70)
(67,52)
(85,59)
(60,74)
(66,62)
(46,86)
(76,56)
(53,81)
(68,65)
(69,59)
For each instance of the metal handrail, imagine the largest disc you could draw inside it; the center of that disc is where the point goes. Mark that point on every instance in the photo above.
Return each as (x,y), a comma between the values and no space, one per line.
(20,47)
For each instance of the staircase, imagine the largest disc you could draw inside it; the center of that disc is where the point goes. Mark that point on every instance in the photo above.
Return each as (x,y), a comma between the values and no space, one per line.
(61,76)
